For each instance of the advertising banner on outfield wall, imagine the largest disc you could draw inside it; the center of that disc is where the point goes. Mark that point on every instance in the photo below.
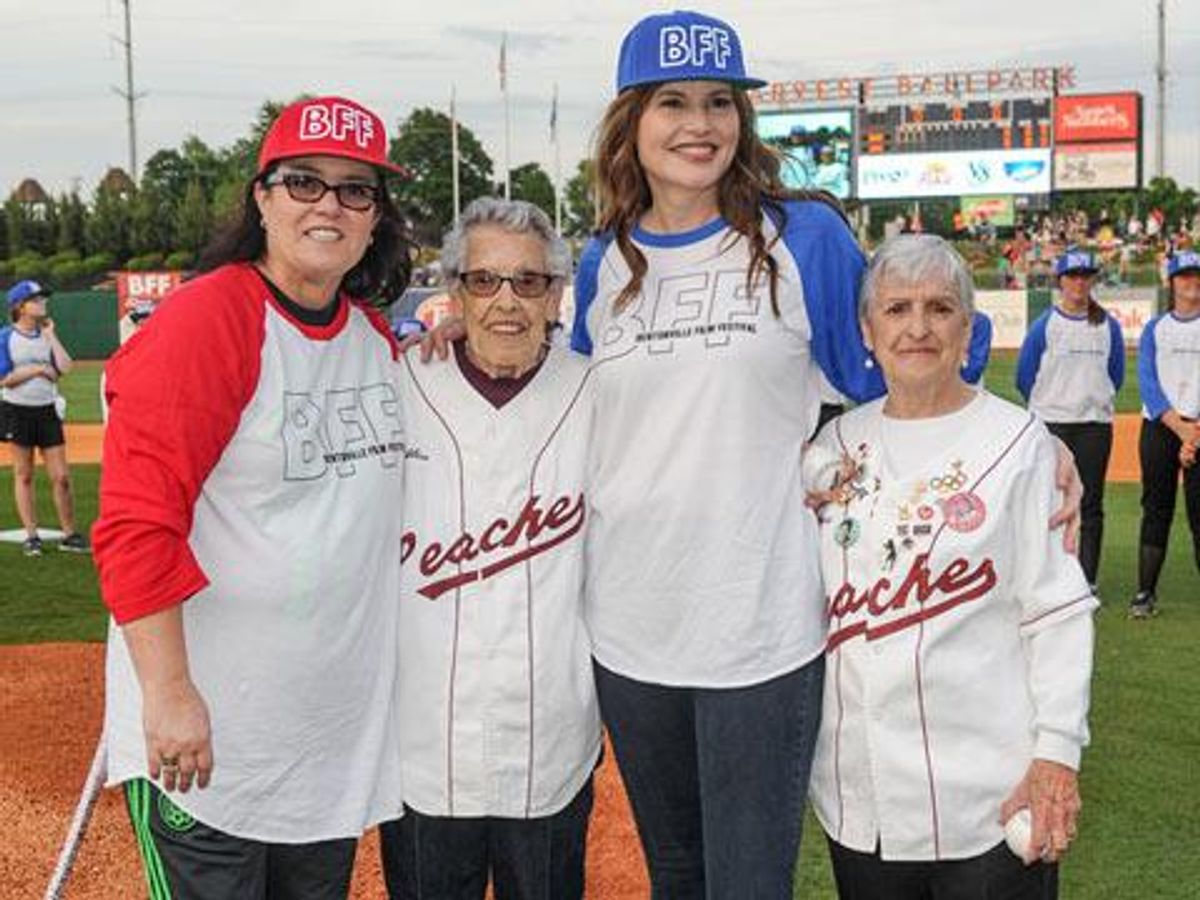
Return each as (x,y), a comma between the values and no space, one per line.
(1008,311)
(997,210)
(138,293)
(1133,307)
(969,173)
(1091,167)
(1084,118)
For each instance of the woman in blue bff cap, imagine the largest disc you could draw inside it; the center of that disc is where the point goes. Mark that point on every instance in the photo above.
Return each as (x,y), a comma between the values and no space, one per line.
(711,303)
(1070,368)
(1169,441)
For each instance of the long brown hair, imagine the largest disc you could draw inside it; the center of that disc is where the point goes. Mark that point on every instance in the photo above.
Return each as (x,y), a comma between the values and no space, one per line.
(751,184)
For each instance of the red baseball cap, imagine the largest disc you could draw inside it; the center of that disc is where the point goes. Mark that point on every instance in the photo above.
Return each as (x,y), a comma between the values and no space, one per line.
(328,126)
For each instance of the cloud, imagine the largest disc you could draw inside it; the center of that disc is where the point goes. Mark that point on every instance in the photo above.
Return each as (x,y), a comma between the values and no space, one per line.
(517,40)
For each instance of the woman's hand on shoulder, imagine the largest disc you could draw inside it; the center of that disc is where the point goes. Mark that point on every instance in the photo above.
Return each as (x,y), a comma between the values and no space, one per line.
(437,341)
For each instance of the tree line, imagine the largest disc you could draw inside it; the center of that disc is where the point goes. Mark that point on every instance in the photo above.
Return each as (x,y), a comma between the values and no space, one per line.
(185,193)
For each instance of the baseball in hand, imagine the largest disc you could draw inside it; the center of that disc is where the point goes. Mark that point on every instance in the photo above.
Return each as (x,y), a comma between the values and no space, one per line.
(1018,832)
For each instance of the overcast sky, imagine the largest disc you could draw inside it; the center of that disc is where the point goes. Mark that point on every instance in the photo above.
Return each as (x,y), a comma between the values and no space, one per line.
(207,66)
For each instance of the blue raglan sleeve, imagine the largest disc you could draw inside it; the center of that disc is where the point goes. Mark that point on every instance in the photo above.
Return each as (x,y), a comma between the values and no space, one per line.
(831,268)
(587,277)
(1029,360)
(6,363)
(1116,354)
(1153,397)
(980,348)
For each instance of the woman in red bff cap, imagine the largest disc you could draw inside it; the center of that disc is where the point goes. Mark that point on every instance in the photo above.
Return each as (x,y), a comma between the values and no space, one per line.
(248,527)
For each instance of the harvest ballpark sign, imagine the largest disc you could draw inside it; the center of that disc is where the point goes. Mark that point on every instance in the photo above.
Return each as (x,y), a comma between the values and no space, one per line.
(915,88)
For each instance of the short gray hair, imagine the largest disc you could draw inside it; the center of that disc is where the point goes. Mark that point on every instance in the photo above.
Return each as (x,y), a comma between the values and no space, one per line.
(516,216)
(917,259)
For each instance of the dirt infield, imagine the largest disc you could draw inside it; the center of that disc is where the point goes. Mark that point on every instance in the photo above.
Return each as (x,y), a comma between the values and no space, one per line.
(84,443)
(52,714)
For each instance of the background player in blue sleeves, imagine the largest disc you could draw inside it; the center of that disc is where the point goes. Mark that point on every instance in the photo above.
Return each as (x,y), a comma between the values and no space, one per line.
(32,359)
(1169,380)
(1072,364)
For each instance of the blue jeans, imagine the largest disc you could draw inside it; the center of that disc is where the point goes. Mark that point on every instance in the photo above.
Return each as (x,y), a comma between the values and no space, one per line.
(717,779)
(442,858)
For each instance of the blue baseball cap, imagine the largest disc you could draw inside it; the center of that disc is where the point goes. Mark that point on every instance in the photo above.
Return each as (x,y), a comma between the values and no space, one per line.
(1076,261)
(1183,261)
(23,290)
(681,46)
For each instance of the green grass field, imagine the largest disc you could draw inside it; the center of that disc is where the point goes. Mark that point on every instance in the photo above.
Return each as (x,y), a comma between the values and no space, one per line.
(81,387)
(1141,780)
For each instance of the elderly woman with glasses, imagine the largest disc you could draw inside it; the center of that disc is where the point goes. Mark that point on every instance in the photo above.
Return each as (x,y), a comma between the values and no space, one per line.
(247,532)
(959,645)
(498,719)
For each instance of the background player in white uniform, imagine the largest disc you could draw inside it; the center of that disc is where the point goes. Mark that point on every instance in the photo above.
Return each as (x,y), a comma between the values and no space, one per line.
(1169,381)
(960,634)
(708,307)
(32,359)
(1071,365)
(248,528)
(498,717)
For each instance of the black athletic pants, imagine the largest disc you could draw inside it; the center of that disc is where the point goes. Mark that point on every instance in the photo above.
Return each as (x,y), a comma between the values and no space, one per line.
(184,859)
(1091,444)
(1158,447)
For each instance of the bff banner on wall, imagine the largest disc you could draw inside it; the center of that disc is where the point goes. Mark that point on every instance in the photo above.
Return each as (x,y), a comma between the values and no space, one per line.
(904,175)
(138,293)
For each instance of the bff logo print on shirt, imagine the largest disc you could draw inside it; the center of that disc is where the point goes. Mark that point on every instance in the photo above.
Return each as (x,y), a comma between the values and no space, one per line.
(338,430)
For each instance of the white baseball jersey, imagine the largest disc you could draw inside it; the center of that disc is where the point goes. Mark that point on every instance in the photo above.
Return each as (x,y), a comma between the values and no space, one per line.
(253,468)
(960,635)
(1070,369)
(497,704)
(1169,366)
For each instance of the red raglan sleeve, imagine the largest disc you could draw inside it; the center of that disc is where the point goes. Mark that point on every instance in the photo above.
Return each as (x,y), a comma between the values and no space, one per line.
(175,395)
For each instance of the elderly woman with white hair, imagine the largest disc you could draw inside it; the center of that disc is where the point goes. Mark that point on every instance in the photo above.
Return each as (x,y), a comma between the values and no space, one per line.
(498,718)
(960,635)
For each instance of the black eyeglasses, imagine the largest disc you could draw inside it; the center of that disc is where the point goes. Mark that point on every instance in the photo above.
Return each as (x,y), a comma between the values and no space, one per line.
(484,283)
(304,188)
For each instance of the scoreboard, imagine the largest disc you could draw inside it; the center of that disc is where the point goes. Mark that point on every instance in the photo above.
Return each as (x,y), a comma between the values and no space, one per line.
(940,127)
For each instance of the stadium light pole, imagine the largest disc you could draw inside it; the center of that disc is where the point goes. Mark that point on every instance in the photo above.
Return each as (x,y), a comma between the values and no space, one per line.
(130,96)
(1161,71)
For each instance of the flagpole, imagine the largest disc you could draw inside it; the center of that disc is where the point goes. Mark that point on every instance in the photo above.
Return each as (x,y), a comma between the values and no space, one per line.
(557,162)
(454,153)
(507,118)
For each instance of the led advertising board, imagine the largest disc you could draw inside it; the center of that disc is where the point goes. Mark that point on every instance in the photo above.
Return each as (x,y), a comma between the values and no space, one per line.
(816,145)
(914,175)
(1085,118)
(1020,123)
(1092,167)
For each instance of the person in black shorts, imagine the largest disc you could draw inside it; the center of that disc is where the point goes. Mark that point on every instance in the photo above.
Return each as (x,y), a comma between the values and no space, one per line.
(32,359)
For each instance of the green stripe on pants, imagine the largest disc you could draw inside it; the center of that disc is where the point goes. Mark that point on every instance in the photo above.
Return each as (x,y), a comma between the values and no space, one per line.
(138,794)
